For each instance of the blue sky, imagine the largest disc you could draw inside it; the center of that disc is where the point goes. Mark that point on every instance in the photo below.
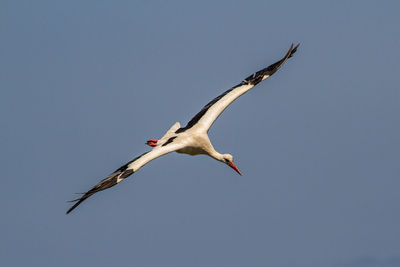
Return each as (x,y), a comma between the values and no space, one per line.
(85,84)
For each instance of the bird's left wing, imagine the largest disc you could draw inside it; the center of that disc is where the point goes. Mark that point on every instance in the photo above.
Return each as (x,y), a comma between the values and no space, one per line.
(210,112)
(126,170)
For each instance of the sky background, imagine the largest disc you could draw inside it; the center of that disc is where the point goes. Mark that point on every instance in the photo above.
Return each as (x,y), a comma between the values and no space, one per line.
(83,84)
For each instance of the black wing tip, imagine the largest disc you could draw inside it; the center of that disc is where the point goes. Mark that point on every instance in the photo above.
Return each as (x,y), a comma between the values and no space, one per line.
(290,52)
(293,50)
(79,200)
(274,67)
(75,205)
(113,179)
(257,77)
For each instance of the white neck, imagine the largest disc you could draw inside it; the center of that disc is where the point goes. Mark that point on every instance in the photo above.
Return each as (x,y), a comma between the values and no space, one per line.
(218,156)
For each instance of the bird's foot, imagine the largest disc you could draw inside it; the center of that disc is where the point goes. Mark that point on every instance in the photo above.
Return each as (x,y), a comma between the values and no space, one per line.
(152,142)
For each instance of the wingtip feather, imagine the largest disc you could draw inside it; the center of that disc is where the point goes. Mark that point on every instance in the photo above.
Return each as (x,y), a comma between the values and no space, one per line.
(293,49)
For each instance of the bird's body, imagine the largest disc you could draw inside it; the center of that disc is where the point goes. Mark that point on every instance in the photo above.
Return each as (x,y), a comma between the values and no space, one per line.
(193,138)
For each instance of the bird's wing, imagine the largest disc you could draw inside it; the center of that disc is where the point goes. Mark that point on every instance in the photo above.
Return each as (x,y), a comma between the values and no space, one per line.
(210,112)
(126,170)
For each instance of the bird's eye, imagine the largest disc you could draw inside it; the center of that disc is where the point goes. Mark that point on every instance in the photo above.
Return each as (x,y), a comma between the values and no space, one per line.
(226,160)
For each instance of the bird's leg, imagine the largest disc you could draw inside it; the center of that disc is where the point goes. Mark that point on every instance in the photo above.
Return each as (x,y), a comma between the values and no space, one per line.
(152,142)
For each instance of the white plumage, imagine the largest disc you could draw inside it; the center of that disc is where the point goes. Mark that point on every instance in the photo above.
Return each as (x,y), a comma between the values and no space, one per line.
(193,138)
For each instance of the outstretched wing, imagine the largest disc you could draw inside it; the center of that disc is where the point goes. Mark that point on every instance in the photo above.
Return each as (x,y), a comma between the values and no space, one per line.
(210,112)
(126,170)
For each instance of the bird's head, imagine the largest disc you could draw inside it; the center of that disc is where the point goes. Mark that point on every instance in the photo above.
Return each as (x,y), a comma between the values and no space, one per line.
(228,160)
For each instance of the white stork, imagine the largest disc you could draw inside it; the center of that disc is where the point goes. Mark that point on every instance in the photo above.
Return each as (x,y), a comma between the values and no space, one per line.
(193,138)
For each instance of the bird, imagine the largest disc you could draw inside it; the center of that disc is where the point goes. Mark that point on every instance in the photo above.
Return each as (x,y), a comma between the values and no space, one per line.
(191,139)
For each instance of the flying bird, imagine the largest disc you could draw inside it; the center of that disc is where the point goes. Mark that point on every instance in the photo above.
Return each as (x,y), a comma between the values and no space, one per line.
(193,138)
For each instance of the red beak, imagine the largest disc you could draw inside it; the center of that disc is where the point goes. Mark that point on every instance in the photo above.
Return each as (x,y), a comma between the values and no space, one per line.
(233,166)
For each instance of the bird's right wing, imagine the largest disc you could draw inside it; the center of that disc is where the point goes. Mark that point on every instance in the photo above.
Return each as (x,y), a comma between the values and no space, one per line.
(126,170)
(210,112)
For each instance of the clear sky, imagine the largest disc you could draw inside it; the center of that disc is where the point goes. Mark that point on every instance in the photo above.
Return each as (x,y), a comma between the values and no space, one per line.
(83,84)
